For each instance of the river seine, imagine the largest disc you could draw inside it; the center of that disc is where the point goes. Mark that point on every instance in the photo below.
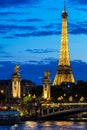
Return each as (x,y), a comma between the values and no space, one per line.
(54,125)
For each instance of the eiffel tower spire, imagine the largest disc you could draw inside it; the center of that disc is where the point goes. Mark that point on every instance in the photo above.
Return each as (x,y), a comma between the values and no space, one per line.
(64,6)
(64,71)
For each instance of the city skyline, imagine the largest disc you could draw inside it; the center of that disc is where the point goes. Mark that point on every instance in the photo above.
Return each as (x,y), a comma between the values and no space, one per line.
(30,33)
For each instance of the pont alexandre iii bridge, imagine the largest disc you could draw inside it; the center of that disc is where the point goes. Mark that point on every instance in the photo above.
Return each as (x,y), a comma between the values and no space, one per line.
(60,111)
(53,111)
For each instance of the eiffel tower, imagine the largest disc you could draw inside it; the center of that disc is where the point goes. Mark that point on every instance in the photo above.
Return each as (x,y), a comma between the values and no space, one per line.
(64,70)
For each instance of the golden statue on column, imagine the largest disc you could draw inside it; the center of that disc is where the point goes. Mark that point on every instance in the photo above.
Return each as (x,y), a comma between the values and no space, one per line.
(16,86)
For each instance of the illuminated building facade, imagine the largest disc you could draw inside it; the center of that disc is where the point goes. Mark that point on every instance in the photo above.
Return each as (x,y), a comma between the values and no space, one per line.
(64,71)
(46,86)
(27,87)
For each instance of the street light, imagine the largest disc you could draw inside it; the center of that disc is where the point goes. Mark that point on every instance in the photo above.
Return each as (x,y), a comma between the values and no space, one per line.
(29,95)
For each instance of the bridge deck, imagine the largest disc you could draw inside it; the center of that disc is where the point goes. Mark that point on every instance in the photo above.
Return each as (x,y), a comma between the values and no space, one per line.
(60,114)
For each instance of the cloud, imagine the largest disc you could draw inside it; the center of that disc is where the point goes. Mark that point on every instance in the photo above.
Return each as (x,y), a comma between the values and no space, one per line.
(79,1)
(17,31)
(8,13)
(6,68)
(82,9)
(37,33)
(53,8)
(8,3)
(6,29)
(32,62)
(7,37)
(2,32)
(1,47)
(52,26)
(82,1)
(7,56)
(31,20)
(16,27)
(78,28)
(41,50)
(33,30)
(48,61)
(3,52)
(79,69)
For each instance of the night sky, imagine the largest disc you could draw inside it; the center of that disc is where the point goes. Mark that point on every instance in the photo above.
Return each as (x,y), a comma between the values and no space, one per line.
(30,34)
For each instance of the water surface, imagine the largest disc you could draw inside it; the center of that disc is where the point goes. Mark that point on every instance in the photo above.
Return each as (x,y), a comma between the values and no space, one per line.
(48,125)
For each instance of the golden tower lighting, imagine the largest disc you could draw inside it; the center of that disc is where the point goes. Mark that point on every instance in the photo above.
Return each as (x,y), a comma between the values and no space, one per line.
(64,70)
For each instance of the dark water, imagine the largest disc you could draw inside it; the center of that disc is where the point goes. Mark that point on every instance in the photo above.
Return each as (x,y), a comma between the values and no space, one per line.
(56,125)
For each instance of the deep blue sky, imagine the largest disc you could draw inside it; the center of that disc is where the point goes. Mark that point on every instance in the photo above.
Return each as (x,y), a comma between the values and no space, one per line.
(30,33)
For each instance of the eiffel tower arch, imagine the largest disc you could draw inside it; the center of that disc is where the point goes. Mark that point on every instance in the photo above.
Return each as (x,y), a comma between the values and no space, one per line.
(64,70)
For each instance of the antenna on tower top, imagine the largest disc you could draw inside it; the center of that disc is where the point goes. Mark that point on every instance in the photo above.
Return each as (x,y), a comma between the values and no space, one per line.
(64,5)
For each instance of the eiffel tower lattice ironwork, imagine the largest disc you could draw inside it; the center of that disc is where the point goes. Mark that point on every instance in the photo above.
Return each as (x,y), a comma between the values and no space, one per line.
(64,71)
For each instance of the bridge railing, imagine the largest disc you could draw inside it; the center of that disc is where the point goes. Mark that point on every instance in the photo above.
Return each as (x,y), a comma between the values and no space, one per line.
(59,107)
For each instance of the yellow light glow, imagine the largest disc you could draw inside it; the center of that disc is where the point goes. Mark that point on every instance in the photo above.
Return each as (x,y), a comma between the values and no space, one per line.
(2,91)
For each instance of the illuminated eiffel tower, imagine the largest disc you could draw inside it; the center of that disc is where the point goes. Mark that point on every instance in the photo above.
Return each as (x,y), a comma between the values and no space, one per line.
(64,71)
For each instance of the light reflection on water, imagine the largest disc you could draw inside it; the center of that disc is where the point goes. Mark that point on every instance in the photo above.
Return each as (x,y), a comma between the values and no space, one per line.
(48,125)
